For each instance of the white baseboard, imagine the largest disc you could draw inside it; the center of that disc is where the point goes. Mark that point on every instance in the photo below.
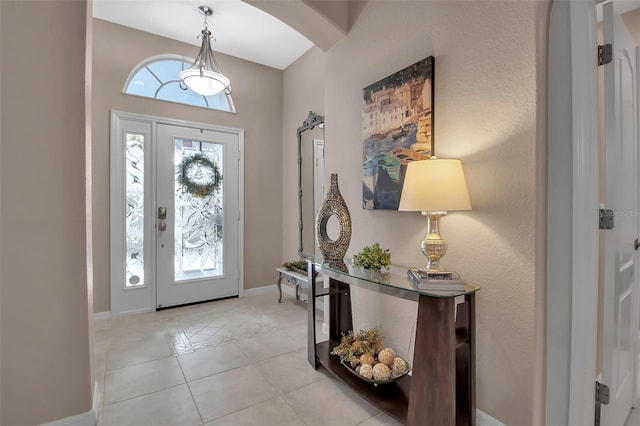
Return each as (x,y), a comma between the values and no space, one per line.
(291,291)
(483,419)
(260,290)
(131,312)
(102,316)
(286,289)
(89,418)
(97,397)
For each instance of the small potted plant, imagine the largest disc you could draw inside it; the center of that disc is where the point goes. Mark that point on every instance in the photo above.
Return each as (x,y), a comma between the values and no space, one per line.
(373,257)
(299,266)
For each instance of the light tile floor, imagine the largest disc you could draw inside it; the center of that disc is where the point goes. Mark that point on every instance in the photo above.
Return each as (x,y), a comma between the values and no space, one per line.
(232,362)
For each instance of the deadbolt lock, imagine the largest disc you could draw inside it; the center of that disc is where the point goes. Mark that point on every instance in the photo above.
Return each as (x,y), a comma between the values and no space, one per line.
(162,218)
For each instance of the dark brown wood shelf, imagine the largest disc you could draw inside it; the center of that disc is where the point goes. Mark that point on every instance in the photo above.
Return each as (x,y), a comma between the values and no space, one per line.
(462,338)
(441,388)
(323,292)
(392,398)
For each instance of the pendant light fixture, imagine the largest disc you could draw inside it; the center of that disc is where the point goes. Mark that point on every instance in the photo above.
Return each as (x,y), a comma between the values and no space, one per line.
(205,77)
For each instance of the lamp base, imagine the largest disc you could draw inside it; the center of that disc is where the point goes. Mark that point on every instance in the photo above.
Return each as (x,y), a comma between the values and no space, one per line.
(433,246)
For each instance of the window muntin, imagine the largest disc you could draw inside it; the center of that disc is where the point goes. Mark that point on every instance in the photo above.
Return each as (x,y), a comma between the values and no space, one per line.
(158,78)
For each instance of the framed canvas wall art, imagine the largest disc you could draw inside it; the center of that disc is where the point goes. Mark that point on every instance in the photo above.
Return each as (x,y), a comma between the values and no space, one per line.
(397,128)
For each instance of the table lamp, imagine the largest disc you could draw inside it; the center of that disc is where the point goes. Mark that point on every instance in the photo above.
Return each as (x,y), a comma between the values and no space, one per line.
(434,187)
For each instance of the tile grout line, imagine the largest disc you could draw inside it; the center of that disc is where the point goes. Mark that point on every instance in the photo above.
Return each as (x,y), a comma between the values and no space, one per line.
(293,408)
(172,354)
(195,403)
(144,394)
(137,363)
(279,394)
(172,324)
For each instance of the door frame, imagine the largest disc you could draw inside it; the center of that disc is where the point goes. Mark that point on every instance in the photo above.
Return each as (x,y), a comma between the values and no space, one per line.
(116,183)
(613,325)
(572,215)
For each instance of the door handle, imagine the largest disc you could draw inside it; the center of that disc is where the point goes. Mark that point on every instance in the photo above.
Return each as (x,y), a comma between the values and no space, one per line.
(162,218)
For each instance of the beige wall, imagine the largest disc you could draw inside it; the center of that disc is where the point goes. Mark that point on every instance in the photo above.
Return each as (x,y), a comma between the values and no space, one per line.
(632,21)
(487,95)
(44,323)
(257,94)
(302,91)
(320,23)
(336,11)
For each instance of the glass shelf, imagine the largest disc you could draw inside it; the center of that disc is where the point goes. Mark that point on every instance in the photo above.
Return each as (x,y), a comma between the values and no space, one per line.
(394,282)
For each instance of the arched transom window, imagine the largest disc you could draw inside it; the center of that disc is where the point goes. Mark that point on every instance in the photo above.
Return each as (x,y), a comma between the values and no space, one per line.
(158,78)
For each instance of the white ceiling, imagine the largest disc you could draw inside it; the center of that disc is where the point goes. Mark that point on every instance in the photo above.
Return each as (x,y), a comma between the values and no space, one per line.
(239,29)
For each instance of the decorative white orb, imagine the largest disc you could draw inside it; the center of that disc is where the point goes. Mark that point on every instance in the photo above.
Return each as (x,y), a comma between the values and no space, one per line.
(399,367)
(381,372)
(386,356)
(366,371)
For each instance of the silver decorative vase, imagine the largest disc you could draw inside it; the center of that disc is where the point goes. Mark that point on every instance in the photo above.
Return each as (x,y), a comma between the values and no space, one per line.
(333,206)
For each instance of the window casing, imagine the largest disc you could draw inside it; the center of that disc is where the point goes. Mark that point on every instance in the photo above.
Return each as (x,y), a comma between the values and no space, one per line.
(157,77)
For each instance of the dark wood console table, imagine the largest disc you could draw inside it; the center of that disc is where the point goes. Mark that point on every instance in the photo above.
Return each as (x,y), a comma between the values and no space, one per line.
(441,389)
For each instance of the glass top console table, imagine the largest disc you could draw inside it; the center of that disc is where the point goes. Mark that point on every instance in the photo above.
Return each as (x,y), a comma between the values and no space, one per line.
(441,388)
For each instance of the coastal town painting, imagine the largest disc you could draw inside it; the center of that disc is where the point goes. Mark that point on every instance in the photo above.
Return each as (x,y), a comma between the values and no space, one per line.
(397,128)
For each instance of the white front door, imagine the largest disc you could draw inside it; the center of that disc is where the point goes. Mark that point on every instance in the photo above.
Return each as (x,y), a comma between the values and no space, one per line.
(175,213)
(197,192)
(620,307)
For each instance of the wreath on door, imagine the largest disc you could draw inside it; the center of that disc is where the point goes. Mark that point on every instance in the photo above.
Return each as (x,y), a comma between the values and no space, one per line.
(199,176)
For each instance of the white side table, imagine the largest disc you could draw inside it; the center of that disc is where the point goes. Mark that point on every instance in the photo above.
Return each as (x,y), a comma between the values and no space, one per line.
(293,277)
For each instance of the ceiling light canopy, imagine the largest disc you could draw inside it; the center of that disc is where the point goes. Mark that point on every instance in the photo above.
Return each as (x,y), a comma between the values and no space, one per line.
(205,77)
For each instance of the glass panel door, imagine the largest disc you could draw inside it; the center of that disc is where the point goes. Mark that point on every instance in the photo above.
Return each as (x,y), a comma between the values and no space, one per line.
(197,210)
(134,209)
(174,214)
(131,221)
(199,201)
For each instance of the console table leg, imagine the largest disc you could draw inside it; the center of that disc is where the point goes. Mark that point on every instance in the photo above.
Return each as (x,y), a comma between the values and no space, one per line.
(465,363)
(280,286)
(472,358)
(433,385)
(341,320)
(311,322)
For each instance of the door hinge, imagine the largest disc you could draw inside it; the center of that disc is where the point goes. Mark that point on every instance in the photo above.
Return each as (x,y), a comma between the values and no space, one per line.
(605,54)
(606,219)
(636,244)
(602,393)
(602,397)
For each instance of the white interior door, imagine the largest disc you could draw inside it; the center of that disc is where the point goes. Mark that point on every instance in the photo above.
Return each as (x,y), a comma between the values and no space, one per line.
(620,319)
(197,245)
